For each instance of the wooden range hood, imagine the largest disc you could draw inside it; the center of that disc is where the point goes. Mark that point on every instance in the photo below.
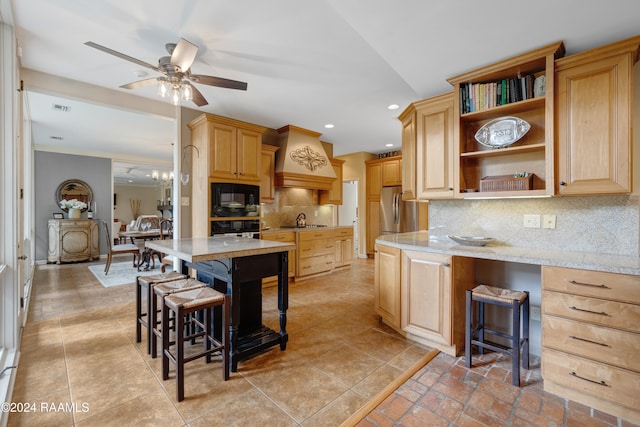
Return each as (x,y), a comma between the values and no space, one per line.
(301,161)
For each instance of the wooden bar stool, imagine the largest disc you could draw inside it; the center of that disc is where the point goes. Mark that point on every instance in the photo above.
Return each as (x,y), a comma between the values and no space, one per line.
(515,300)
(161,291)
(146,283)
(183,303)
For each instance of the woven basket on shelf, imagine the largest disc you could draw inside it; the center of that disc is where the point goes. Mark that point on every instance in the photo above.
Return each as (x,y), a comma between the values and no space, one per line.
(506,183)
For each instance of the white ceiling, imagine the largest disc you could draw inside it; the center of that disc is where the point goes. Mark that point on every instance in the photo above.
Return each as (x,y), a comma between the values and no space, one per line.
(307,63)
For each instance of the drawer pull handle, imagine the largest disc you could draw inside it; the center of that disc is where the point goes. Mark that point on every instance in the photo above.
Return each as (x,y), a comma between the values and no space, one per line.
(589,341)
(601,382)
(602,313)
(574,282)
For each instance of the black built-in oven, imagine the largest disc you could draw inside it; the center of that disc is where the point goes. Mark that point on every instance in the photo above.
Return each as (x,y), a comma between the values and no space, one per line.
(235,209)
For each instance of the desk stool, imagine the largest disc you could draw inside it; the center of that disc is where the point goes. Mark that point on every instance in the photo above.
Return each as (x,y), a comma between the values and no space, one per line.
(200,300)
(161,291)
(147,282)
(515,300)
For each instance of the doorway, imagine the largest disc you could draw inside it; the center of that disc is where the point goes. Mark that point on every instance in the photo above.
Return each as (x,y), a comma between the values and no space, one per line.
(348,210)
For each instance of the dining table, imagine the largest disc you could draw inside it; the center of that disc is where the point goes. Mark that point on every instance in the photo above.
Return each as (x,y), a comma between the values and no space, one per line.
(236,266)
(144,235)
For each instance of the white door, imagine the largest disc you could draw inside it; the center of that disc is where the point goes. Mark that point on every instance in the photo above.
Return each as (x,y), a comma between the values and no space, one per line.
(348,210)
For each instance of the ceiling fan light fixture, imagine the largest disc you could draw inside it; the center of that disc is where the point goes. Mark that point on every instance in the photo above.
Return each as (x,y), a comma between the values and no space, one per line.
(187,93)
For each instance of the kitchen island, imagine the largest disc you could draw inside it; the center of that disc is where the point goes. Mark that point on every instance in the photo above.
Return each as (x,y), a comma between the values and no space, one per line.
(589,308)
(236,266)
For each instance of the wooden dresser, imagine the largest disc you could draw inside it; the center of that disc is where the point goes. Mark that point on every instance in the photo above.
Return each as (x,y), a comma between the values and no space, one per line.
(72,240)
(591,338)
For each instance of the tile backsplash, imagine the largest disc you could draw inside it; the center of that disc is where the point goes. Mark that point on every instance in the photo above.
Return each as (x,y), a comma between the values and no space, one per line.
(602,224)
(289,202)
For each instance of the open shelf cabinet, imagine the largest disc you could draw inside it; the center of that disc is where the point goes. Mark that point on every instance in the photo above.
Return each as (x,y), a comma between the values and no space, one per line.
(533,153)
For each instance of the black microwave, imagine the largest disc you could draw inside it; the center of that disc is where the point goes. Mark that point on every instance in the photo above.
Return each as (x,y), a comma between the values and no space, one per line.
(229,200)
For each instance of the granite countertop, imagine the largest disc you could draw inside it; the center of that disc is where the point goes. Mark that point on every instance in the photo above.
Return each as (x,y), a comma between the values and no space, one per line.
(420,241)
(280,230)
(210,248)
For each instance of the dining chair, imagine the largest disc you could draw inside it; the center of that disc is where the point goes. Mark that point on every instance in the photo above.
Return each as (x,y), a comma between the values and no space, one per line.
(166,229)
(118,249)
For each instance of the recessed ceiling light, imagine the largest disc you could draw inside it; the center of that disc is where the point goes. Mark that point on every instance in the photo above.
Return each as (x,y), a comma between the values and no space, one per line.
(388,145)
(57,138)
(130,180)
(140,73)
(329,125)
(393,107)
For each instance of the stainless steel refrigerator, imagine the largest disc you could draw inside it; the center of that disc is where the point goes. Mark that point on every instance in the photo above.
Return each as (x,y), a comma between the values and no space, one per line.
(396,215)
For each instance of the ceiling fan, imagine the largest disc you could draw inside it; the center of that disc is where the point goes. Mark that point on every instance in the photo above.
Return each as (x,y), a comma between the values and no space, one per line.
(176,70)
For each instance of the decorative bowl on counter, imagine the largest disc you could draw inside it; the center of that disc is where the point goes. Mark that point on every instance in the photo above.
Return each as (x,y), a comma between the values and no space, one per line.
(471,240)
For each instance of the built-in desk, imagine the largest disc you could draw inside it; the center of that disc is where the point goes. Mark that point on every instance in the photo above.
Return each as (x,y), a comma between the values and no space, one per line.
(236,266)
(590,308)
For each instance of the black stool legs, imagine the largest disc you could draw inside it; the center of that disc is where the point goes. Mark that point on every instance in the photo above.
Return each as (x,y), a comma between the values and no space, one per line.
(518,302)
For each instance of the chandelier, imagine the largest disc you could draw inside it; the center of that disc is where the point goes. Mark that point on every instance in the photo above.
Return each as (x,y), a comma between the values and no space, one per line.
(175,88)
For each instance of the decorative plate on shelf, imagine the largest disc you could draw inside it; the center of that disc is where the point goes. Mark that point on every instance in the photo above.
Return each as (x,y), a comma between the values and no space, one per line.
(471,240)
(502,132)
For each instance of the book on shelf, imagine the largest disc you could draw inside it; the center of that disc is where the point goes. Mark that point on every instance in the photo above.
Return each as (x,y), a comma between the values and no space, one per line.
(482,96)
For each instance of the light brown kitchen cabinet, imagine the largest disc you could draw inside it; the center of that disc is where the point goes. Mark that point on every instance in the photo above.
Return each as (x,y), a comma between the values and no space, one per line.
(228,151)
(315,251)
(434,148)
(387,284)
(333,196)
(343,246)
(232,149)
(284,237)
(408,120)
(373,224)
(392,172)
(433,298)
(267,166)
(594,118)
(72,240)
(591,339)
(374,179)
(533,153)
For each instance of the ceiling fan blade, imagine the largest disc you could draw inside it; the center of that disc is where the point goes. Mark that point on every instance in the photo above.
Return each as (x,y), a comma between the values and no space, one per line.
(183,55)
(197,97)
(122,55)
(140,83)
(218,81)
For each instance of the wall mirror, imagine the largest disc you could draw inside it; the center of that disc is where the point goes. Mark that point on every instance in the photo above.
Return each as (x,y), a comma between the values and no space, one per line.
(74,189)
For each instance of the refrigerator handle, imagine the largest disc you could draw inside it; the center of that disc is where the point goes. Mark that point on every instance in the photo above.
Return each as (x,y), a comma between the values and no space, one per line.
(396,209)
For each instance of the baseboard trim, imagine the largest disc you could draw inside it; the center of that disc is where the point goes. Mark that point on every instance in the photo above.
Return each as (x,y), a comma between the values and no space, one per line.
(356,417)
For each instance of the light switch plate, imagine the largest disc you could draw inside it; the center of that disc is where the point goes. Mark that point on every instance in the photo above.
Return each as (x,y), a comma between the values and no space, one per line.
(184,201)
(549,221)
(532,221)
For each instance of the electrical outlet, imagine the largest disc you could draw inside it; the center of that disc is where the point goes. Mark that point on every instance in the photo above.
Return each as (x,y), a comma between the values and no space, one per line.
(532,221)
(549,221)
(534,312)
(184,201)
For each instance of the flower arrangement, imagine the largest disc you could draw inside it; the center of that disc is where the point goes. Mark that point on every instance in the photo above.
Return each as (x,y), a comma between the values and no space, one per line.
(72,204)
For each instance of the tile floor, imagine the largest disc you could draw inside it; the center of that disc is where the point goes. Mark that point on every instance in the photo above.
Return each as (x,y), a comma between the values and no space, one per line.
(79,349)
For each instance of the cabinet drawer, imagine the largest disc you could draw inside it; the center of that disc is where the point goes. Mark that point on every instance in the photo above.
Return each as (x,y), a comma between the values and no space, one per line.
(316,265)
(607,345)
(288,236)
(621,287)
(312,248)
(618,385)
(314,235)
(593,310)
(343,232)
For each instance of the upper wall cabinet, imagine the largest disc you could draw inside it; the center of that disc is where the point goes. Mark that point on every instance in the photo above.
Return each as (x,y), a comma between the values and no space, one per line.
(333,196)
(434,147)
(230,150)
(267,165)
(593,119)
(494,98)
(408,120)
